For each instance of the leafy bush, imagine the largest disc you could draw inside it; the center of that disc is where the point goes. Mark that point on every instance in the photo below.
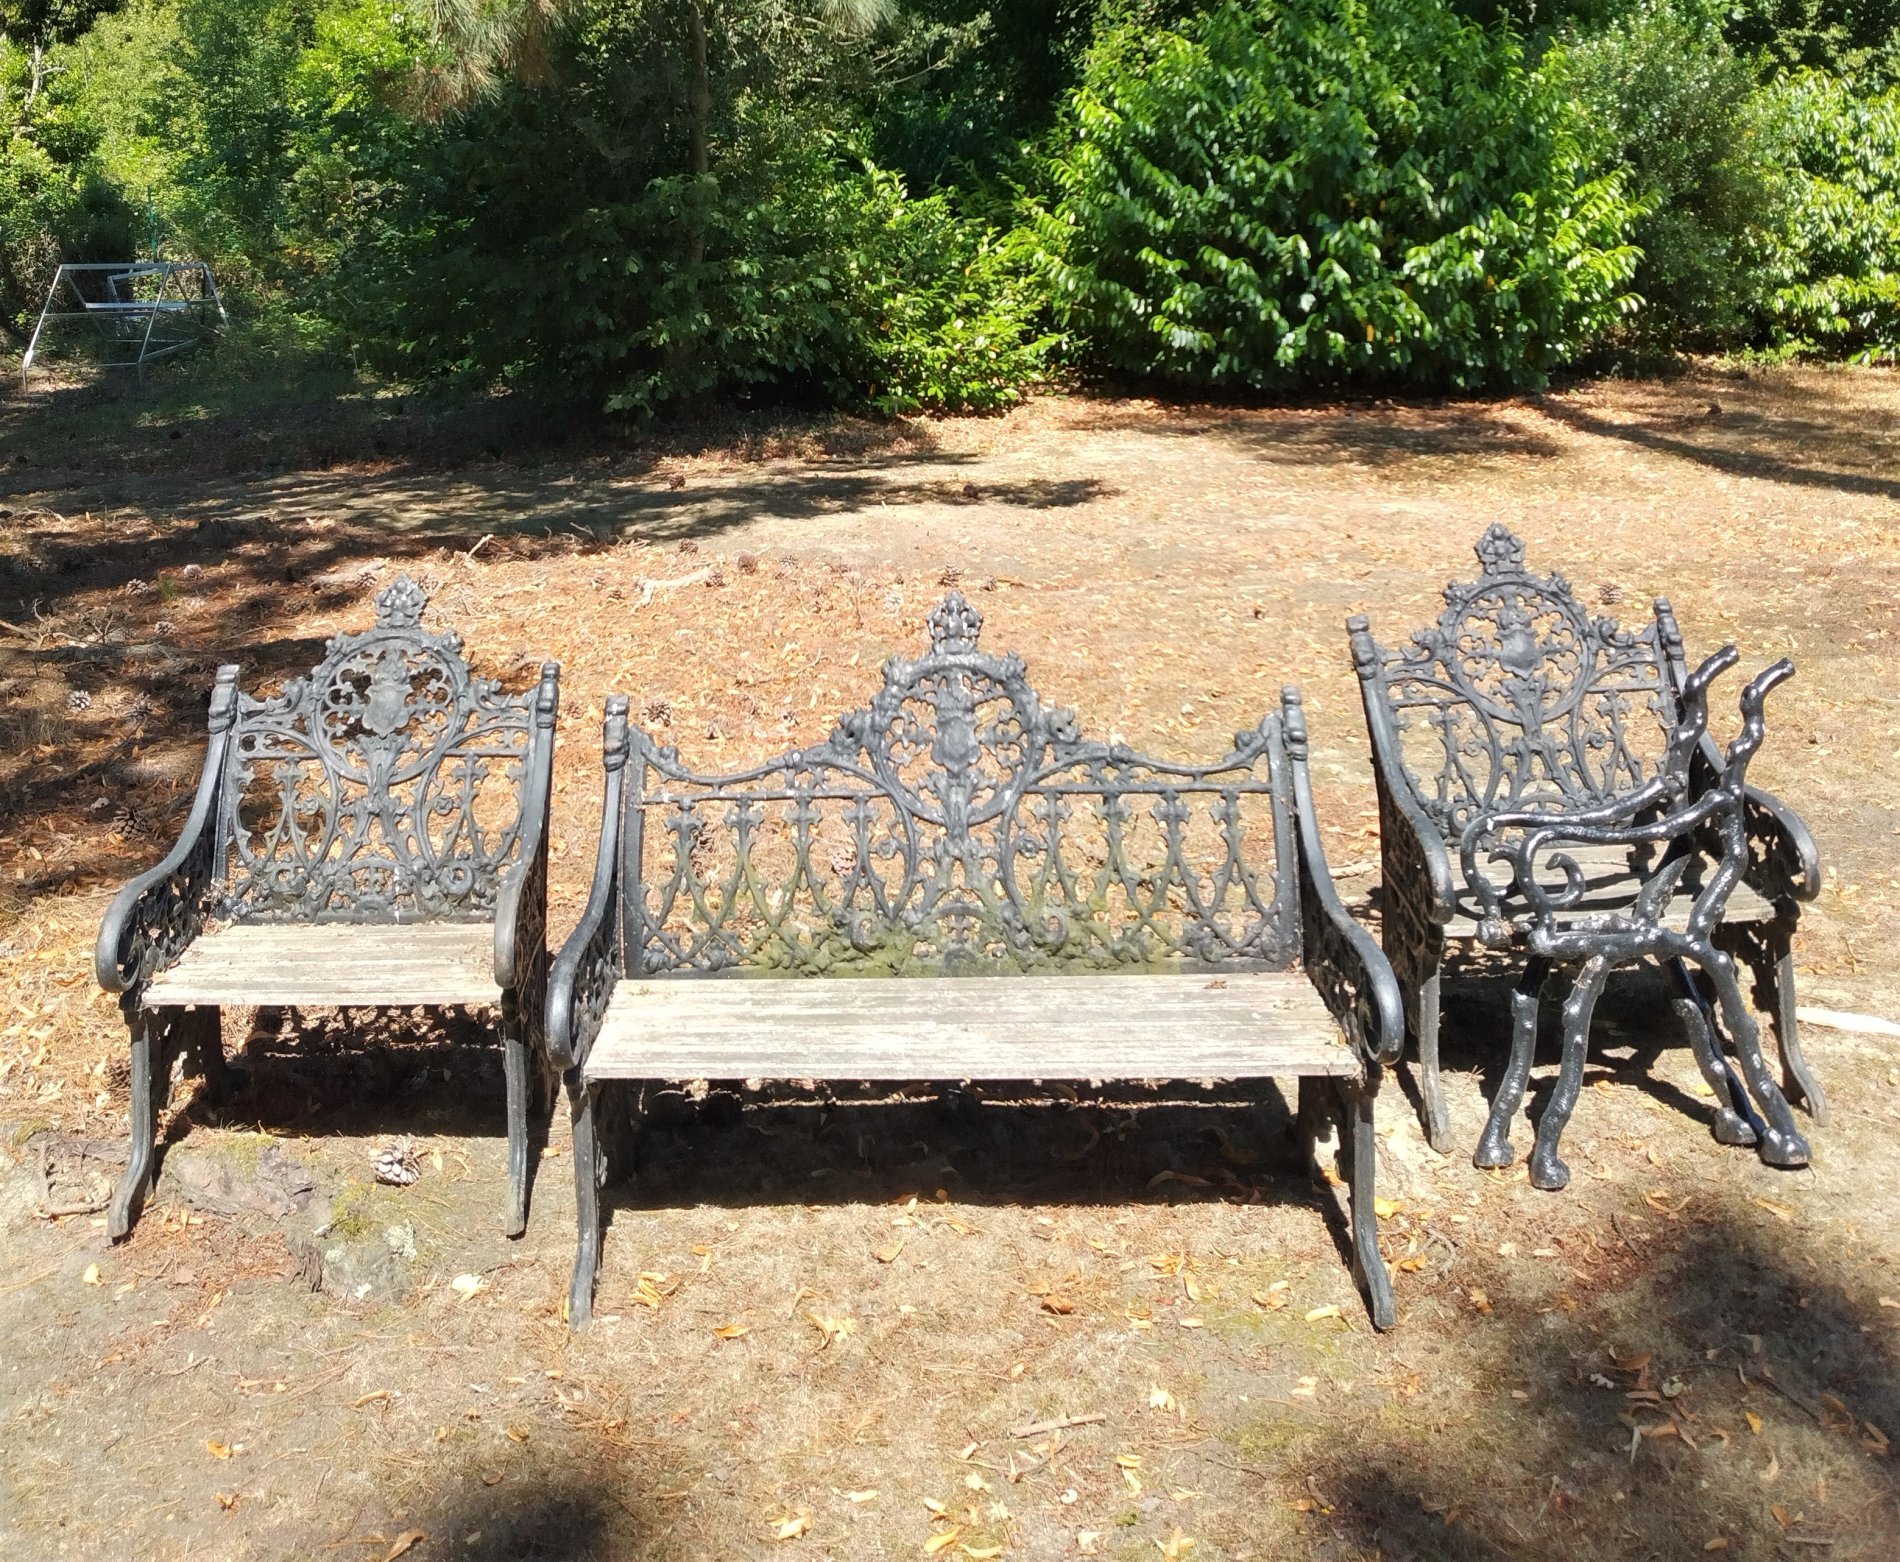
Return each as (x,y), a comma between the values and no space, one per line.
(1323,190)
(1668,101)
(1833,262)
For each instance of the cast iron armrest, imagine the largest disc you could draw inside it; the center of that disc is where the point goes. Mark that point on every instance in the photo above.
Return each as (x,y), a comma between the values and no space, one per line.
(589,963)
(1342,961)
(1411,846)
(521,915)
(156,916)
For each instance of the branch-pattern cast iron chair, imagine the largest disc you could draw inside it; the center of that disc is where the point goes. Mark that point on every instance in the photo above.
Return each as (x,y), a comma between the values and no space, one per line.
(1040,906)
(1519,699)
(1668,836)
(374,836)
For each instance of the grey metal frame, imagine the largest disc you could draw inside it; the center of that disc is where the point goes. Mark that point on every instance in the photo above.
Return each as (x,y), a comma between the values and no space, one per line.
(1520,701)
(958,826)
(123,319)
(390,785)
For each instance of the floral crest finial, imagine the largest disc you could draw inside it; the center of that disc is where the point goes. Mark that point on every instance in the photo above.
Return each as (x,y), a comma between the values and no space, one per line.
(399,605)
(1500,550)
(955,625)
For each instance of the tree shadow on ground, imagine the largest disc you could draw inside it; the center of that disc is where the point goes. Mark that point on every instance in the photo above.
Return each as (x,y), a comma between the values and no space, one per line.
(1796,434)
(543,1511)
(1731,1399)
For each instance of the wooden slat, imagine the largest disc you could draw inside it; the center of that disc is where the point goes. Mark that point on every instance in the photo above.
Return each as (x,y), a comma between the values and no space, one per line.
(1006,1027)
(1611,886)
(334,964)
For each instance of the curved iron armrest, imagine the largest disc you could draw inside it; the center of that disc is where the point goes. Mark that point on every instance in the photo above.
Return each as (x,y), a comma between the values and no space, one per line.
(1713,820)
(1344,963)
(589,963)
(154,918)
(1415,861)
(521,905)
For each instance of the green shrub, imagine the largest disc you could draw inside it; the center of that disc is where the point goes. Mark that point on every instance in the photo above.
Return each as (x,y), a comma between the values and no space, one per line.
(1667,101)
(1833,261)
(1327,190)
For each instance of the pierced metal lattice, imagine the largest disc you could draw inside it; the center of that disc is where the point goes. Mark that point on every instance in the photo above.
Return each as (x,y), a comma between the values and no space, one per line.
(957,824)
(1517,698)
(387,784)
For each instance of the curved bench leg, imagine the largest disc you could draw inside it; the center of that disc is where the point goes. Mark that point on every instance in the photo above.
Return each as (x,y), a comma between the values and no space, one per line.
(589,1173)
(1729,1126)
(515,1070)
(1788,1031)
(1781,1141)
(1431,1087)
(1547,1170)
(1494,1148)
(152,1034)
(1361,1156)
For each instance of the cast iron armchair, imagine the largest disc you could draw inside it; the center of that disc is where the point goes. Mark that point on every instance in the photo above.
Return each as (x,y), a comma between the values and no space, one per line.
(1518,699)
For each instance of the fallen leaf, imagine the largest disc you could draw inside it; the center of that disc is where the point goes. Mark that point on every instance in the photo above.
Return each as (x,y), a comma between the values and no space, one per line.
(832,1328)
(1768,1475)
(403,1542)
(937,1542)
(91,1276)
(1720,1543)
(1330,1310)
(1306,1388)
(491,1477)
(1754,1421)
(218,1450)
(1476,1296)
(466,1286)
(518,1434)
(867,1495)
(1782,1212)
(887,1255)
(1061,1306)
(227,1500)
(1634,1363)
(1160,1399)
(1176,1546)
(1779,1514)
(982,1553)
(732,1331)
(1270,1300)
(1385,1209)
(792,1526)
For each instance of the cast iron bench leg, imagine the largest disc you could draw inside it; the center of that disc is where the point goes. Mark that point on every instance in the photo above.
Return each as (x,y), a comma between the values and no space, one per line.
(1431,1088)
(1788,1029)
(153,1032)
(589,1174)
(1730,1126)
(1781,1141)
(1494,1148)
(515,1067)
(1350,1103)
(1547,1170)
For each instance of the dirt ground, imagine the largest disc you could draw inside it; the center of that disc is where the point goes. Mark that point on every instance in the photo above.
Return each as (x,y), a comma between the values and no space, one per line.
(825,1323)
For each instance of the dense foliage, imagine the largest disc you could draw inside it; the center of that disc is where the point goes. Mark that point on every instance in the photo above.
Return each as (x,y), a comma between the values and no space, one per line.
(1295,190)
(636,205)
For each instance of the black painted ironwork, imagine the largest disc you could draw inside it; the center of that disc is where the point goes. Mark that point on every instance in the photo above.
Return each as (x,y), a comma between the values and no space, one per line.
(388,785)
(959,826)
(1520,700)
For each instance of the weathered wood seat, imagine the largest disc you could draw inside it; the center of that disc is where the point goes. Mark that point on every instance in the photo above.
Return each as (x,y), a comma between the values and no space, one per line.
(375,836)
(995,897)
(1520,701)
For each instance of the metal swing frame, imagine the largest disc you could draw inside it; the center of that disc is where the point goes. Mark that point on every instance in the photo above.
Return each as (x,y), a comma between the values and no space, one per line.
(139,310)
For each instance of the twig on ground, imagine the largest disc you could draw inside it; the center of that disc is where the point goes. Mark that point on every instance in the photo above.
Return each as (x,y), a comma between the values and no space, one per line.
(1061,1424)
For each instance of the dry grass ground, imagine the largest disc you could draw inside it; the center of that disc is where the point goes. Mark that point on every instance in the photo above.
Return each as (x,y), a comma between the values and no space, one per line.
(1684,1353)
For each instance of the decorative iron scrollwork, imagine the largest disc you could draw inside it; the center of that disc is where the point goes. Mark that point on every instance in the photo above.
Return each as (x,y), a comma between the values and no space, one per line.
(386,784)
(957,823)
(1519,698)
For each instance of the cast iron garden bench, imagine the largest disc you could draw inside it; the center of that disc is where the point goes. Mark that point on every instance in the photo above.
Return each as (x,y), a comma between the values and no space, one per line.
(1039,906)
(1520,710)
(374,836)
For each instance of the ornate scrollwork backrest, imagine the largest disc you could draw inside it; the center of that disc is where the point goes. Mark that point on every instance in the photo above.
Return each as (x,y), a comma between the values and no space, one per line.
(957,824)
(384,786)
(1519,698)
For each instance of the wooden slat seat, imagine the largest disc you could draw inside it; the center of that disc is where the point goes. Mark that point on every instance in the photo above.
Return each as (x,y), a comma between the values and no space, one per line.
(334,964)
(1611,885)
(1019,1027)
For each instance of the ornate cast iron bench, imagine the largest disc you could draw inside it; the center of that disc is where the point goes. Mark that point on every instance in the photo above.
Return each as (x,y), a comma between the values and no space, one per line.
(376,835)
(957,828)
(1520,703)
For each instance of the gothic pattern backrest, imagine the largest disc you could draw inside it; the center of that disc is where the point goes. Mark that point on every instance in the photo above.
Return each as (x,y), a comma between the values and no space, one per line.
(1519,698)
(384,786)
(956,825)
